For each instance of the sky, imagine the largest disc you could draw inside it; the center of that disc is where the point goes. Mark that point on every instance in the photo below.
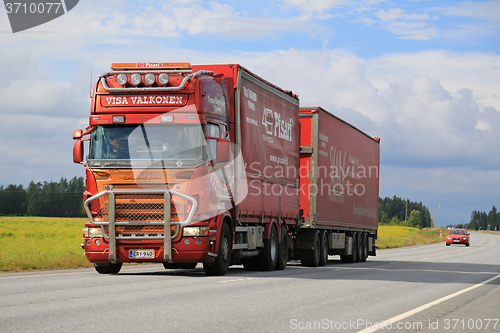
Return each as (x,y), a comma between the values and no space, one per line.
(422,75)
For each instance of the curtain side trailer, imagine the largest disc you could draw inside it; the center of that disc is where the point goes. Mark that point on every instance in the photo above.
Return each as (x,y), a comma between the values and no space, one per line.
(339,186)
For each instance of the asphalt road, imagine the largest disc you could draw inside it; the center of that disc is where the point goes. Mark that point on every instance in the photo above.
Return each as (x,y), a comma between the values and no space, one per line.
(431,288)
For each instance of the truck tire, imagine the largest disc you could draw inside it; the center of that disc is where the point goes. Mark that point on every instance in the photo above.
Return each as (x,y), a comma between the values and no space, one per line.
(323,258)
(269,255)
(221,264)
(365,248)
(310,258)
(108,268)
(354,256)
(283,249)
(360,248)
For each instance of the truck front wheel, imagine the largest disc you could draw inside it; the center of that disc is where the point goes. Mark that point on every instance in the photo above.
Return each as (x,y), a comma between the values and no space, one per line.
(108,268)
(221,264)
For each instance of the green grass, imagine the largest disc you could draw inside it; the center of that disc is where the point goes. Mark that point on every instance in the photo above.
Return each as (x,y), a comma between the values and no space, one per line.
(41,243)
(396,236)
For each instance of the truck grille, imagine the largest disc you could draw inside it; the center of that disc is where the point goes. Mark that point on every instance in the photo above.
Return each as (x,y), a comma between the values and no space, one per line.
(139,218)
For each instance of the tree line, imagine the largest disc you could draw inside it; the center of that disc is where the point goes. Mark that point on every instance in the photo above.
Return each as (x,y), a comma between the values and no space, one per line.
(64,199)
(480,220)
(397,211)
(54,199)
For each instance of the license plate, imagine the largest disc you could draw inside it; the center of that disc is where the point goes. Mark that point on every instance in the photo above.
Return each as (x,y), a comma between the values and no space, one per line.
(141,254)
(456,240)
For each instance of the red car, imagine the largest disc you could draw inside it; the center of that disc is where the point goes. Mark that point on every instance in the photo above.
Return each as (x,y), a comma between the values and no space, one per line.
(457,236)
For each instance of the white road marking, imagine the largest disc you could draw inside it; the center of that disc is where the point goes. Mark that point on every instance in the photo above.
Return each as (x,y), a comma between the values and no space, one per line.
(428,305)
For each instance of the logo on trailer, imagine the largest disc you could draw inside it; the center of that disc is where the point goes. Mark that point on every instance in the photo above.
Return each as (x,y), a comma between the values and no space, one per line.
(276,126)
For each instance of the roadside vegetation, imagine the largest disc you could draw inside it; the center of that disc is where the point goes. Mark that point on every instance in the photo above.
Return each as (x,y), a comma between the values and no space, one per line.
(45,243)
(397,236)
(41,243)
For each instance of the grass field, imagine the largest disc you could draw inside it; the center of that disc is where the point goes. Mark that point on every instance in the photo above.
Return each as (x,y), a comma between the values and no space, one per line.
(395,236)
(44,243)
(41,243)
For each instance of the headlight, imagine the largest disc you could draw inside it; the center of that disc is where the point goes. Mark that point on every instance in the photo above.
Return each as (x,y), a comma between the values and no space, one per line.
(194,231)
(92,232)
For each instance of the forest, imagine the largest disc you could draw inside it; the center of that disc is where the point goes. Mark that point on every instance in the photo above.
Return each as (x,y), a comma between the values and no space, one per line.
(480,220)
(402,212)
(54,199)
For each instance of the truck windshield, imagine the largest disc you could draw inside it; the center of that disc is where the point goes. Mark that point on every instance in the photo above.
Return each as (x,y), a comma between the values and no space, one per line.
(147,145)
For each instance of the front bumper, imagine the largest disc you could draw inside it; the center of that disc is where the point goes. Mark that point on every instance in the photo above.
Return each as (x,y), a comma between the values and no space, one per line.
(457,241)
(181,252)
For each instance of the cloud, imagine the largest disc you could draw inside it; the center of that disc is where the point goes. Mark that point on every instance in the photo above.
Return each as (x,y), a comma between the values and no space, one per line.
(26,90)
(481,10)
(399,14)
(476,71)
(421,123)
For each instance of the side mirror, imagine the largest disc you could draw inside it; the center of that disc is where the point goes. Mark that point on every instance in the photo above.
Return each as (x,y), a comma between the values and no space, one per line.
(77,135)
(222,150)
(78,152)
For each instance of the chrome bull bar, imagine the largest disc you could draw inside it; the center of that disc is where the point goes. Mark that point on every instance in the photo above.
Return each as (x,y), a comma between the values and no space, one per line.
(107,213)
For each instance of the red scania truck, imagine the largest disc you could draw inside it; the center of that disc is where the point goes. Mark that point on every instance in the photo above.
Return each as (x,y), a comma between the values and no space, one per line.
(229,164)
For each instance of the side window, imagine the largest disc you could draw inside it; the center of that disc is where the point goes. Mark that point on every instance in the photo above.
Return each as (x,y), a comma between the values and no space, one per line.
(214,132)
(224,133)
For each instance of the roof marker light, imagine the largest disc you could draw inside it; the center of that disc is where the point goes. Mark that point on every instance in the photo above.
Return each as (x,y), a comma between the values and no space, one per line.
(163,79)
(135,79)
(167,119)
(118,119)
(149,79)
(121,79)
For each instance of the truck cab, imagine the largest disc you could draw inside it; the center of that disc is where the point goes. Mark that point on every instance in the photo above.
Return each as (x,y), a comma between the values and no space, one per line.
(158,136)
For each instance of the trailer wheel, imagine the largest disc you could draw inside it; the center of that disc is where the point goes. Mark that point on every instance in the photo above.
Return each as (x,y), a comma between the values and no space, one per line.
(365,248)
(221,264)
(310,258)
(269,255)
(354,255)
(360,248)
(283,249)
(108,268)
(323,258)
